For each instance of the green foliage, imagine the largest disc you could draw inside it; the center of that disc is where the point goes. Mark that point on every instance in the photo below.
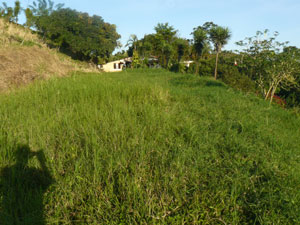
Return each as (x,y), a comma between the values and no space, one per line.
(219,36)
(165,32)
(182,48)
(117,56)
(161,44)
(42,8)
(171,49)
(200,39)
(29,18)
(206,67)
(7,12)
(133,42)
(178,68)
(148,147)
(11,14)
(17,11)
(267,63)
(80,35)
(136,62)
(147,46)
(231,76)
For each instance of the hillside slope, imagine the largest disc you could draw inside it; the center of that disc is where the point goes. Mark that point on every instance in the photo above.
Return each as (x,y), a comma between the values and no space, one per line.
(24,58)
(146,147)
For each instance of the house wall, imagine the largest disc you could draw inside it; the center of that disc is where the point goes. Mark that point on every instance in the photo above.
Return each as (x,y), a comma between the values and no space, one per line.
(110,67)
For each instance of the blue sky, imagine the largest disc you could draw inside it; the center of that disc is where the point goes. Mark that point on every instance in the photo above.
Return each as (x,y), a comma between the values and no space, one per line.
(243,17)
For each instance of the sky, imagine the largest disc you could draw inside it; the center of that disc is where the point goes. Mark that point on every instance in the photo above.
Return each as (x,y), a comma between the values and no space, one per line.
(242,17)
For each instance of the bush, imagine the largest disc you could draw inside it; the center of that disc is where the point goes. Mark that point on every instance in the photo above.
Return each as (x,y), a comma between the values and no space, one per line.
(178,68)
(191,69)
(206,67)
(231,76)
(291,96)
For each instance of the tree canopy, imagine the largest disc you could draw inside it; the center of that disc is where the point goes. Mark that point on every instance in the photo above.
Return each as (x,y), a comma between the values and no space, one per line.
(82,36)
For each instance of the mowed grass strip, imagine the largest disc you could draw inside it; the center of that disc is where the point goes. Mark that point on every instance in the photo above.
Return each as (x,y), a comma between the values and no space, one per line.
(152,147)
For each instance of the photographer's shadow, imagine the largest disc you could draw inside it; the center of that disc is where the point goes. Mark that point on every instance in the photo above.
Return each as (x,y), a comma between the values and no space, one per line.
(22,188)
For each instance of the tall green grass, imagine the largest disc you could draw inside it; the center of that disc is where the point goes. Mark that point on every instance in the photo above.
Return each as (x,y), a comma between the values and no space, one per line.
(149,147)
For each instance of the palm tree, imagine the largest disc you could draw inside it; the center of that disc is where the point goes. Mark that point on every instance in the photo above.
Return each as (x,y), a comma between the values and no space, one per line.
(219,36)
(132,41)
(200,42)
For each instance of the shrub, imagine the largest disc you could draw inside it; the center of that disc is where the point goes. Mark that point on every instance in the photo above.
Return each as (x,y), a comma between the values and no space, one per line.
(291,96)
(231,76)
(178,68)
(206,67)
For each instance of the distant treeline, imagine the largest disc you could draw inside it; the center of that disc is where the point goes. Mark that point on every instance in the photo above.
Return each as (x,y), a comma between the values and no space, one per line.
(75,33)
(264,66)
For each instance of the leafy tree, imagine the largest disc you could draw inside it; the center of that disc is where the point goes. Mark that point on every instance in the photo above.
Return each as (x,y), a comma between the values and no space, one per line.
(136,62)
(7,12)
(271,64)
(219,37)
(182,48)
(80,35)
(163,42)
(165,31)
(17,11)
(44,7)
(168,51)
(29,18)
(147,45)
(41,9)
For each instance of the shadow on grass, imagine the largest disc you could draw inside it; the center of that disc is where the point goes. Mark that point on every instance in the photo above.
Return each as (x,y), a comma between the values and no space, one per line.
(211,83)
(22,188)
(195,81)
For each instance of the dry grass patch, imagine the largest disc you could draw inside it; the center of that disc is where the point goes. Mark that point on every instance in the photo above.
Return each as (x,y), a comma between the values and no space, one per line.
(25,58)
(21,65)
(13,33)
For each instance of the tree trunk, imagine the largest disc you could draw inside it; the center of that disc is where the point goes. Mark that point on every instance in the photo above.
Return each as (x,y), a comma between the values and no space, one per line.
(216,67)
(273,91)
(267,95)
(197,68)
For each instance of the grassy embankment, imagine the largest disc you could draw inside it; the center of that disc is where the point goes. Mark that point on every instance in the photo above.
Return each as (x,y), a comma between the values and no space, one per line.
(147,147)
(24,57)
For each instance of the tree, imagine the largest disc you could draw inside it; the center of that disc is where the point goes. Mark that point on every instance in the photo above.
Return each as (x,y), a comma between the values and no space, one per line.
(219,37)
(146,46)
(82,36)
(29,18)
(133,42)
(17,11)
(200,40)
(182,48)
(163,42)
(166,31)
(44,7)
(41,9)
(136,62)
(7,12)
(272,65)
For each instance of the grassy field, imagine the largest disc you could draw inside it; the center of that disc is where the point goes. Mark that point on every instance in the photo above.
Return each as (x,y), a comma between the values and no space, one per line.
(146,147)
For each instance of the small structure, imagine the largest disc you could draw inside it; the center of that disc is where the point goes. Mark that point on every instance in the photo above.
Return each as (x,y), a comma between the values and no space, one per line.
(115,66)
